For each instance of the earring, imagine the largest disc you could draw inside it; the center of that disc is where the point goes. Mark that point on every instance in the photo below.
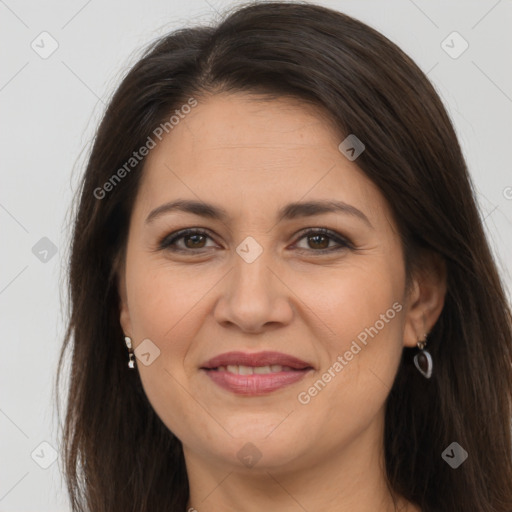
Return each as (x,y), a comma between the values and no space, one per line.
(131,362)
(423,359)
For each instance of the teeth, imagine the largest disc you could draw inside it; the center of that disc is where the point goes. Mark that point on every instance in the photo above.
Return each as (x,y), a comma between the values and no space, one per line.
(262,369)
(245,370)
(250,370)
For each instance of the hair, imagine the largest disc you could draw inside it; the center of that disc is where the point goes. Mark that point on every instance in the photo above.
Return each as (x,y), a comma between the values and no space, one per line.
(116,452)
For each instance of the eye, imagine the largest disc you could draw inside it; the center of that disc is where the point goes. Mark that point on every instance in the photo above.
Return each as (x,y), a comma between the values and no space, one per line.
(196,239)
(320,238)
(192,239)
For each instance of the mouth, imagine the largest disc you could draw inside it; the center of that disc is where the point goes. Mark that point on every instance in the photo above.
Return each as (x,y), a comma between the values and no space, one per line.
(251,370)
(255,374)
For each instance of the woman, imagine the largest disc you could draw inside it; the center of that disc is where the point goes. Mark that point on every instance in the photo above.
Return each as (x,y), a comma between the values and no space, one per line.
(282,295)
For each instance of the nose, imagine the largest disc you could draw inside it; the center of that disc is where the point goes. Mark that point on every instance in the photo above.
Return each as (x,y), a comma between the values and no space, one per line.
(254,296)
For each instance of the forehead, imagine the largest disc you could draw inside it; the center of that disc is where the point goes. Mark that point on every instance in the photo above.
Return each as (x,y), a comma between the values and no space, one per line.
(219,117)
(251,152)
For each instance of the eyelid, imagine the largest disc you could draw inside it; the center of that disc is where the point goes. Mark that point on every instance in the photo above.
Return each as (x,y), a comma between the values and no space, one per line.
(342,241)
(166,242)
(170,238)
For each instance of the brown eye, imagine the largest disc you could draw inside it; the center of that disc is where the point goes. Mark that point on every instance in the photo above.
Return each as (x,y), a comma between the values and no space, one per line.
(196,241)
(193,240)
(318,241)
(186,240)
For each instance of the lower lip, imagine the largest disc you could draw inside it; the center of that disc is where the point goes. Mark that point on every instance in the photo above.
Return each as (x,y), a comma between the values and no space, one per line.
(255,384)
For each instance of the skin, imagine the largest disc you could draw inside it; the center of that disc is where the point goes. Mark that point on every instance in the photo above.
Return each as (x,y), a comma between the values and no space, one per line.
(252,157)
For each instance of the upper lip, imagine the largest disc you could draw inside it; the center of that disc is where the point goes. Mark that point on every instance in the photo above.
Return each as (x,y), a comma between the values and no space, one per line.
(256,359)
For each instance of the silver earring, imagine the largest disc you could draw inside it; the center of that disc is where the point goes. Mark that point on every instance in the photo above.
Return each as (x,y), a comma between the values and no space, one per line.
(423,359)
(131,362)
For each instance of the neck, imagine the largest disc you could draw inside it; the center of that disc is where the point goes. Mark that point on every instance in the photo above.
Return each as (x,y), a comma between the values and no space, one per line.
(349,479)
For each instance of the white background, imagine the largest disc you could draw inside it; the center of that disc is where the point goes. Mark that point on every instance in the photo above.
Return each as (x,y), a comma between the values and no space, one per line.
(50,108)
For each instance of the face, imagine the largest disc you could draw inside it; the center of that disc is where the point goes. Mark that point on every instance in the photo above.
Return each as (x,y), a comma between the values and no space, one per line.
(276,325)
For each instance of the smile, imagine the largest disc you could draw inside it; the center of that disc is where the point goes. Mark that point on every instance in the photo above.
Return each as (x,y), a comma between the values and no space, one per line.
(255,374)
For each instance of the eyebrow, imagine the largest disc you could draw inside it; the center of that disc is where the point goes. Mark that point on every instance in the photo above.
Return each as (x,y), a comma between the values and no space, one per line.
(289,212)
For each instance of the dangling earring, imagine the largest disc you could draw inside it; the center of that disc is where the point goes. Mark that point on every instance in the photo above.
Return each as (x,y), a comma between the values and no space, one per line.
(131,362)
(423,359)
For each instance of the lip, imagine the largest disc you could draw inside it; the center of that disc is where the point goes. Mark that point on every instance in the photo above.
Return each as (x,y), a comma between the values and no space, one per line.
(256,359)
(255,384)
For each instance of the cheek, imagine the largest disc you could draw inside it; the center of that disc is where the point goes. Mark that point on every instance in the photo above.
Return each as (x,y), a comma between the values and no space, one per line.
(165,303)
(360,295)
(164,299)
(361,308)
(366,304)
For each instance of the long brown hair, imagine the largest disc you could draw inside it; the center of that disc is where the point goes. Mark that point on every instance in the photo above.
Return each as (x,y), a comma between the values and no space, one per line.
(117,454)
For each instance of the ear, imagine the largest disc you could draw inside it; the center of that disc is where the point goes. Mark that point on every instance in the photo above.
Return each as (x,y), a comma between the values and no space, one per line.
(425,298)
(124,313)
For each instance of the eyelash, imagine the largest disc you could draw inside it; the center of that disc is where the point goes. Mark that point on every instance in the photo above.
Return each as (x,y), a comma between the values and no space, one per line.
(167,242)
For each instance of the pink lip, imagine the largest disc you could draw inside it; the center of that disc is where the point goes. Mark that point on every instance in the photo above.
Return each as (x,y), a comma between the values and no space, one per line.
(256,359)
(255,384)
